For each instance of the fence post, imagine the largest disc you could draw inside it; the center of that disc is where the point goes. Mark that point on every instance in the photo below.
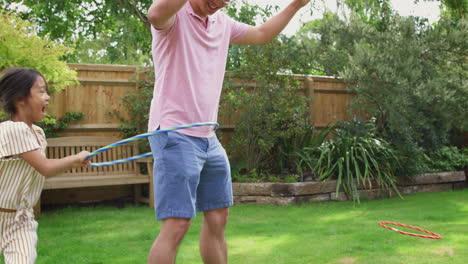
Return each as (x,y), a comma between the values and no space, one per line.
(309,93)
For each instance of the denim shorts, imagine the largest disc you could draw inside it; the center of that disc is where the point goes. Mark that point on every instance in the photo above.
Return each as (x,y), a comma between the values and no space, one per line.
(190,174)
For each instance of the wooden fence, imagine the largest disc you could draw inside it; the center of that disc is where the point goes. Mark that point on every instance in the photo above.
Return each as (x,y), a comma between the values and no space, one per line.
(102,86)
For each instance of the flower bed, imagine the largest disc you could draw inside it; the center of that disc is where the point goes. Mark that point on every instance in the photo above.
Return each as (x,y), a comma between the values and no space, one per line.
(294,193)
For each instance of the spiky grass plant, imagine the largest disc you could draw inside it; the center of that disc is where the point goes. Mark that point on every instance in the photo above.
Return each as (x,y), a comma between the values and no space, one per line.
(354,157)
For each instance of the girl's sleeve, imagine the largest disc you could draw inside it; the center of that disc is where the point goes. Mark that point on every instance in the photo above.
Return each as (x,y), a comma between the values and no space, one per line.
(42,136)
(16,138)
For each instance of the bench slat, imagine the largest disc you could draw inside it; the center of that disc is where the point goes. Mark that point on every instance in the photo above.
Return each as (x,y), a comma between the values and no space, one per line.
(92,181)
(82,141)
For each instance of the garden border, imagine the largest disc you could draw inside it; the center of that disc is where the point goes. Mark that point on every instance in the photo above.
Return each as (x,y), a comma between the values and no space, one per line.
(315,191)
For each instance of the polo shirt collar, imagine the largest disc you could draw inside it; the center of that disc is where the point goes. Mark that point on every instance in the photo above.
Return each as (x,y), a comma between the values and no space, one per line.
(189,10)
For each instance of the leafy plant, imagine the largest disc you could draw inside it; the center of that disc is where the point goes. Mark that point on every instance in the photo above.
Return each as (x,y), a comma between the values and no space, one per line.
(21,47)
(291,178)
(270,112)
(286,147)
(3,115)
(288,150)
(108,31)
(410,74)
(448,158)
(271,109)
(52,126)
(251,176)
(354,159)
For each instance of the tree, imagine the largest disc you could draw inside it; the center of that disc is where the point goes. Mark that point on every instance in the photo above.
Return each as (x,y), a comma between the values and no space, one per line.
(21,47)
(408,74)
(329,44)
(455,9)
(118,30)
(374,12)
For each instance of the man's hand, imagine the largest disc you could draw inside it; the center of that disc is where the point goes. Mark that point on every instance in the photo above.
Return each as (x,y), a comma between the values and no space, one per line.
(272,27)
(301,3)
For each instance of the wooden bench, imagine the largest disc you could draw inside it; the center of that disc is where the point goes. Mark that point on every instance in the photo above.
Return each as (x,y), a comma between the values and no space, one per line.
(121,174)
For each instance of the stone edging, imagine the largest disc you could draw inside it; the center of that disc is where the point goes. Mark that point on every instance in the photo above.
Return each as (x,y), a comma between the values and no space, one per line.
(294,193)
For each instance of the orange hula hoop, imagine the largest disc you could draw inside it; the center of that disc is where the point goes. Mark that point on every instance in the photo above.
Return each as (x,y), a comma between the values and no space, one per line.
(431,234)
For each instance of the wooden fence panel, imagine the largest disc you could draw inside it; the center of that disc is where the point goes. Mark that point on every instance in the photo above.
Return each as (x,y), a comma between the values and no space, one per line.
(330,101)
(102,86)
(98,94)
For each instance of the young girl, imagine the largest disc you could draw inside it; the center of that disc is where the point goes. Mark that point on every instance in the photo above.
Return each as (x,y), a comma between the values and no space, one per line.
(23,164)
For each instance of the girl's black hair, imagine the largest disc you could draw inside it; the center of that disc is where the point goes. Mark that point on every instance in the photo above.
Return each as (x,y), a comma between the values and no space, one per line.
(15,84)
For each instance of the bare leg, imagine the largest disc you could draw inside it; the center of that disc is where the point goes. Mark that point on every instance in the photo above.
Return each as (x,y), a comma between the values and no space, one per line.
(164,248)
(213,247)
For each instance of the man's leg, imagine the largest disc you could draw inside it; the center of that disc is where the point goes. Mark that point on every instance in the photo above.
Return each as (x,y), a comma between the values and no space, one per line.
(213,247)
(178,160)
(164,248)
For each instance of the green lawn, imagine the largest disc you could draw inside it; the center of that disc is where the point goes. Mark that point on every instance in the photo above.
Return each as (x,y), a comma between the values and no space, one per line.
(332,232)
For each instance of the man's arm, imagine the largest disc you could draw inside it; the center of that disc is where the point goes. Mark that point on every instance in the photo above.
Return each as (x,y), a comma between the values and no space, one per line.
(161,13)
(272,27)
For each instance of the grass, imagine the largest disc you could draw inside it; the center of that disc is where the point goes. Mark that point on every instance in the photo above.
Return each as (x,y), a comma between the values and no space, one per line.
(331,232)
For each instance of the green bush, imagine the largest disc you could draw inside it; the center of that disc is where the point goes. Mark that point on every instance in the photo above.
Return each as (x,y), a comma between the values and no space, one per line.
(285,148)
(355,157)
(266,101)
(269,112)
(448,158)
(52,126)
(407,73)
(288,151)
(21,47)
(251,176)
(3,116)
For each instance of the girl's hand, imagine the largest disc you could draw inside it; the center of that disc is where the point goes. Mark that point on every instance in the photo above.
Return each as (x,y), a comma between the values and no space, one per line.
(81,159)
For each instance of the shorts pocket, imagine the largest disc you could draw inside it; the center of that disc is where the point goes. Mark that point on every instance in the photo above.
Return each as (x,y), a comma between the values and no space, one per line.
(173,139)
(158,141)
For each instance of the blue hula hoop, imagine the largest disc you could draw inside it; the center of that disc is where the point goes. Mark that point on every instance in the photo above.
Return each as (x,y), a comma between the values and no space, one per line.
(137,137)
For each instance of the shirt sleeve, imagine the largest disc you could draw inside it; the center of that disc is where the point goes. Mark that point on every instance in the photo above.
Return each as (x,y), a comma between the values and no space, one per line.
(163,32)
(238,29)
(16,138)
(42,136)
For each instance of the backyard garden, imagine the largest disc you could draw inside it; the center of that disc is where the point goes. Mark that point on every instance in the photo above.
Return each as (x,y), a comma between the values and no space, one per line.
(362,98)
(332,233)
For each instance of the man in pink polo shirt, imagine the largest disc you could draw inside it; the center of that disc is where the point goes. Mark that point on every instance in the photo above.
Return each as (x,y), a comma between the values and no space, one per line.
(191,169)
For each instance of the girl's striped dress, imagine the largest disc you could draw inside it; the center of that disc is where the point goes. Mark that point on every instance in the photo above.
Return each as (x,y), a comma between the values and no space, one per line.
(20,189)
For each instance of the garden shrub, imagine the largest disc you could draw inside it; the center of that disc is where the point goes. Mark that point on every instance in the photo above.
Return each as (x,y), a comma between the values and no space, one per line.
(21,47)
(408,74)
(354,156)
(269,113)
(448,159)
(272,110)
(52,126)
(415,84)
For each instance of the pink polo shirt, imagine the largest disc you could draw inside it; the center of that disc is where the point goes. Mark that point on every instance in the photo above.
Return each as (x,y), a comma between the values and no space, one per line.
(189,62)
